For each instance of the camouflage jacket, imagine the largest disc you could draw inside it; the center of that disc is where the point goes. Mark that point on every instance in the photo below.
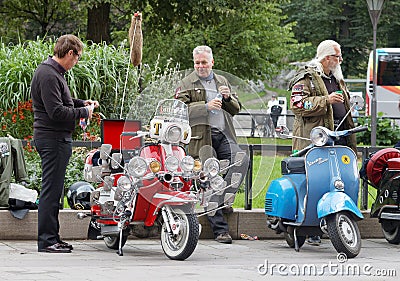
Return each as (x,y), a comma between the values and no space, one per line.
(309,103)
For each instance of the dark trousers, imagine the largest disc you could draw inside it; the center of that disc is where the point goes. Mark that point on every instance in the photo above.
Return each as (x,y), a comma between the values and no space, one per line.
(55,154)
(224,148)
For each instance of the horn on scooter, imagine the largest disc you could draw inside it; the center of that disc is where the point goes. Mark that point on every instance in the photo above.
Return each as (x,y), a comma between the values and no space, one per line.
(167,177)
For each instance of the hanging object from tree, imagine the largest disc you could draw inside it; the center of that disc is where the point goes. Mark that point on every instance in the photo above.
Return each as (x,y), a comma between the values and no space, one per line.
(136,39)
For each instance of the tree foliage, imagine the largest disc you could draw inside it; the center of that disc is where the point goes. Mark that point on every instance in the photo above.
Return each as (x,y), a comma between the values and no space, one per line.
(346,22)
(250,38)
(34,18)
(247,37)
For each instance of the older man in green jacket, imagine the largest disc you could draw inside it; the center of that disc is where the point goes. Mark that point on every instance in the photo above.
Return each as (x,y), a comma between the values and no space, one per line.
(320,96)
(212,106)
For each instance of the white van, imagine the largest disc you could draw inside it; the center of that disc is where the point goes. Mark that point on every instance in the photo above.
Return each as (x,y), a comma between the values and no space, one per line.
(388,82)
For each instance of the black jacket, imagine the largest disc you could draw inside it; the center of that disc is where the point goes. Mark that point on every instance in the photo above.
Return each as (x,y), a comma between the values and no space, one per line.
(55,111)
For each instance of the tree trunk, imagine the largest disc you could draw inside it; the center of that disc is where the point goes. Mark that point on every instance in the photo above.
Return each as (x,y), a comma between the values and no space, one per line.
(98,27)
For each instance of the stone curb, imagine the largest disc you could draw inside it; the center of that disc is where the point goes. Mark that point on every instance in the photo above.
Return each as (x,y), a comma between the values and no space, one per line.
(251,222)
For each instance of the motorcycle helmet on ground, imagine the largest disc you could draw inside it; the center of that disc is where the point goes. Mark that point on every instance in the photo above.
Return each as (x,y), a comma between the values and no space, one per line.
(78,195)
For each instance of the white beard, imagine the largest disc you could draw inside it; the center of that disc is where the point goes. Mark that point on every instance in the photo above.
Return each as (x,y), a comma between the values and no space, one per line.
(337,72)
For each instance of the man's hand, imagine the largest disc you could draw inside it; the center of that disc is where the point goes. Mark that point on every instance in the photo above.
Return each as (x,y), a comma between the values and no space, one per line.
(214,104)
(335,98)
(90,109)
(225,91)
(95,103)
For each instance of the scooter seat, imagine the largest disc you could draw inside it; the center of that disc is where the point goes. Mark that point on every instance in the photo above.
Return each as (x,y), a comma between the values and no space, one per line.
(378,162)
(293,165)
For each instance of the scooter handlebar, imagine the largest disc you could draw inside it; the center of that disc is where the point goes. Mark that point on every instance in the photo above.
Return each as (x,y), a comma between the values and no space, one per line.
(133,135)
(301,152)
(359,129)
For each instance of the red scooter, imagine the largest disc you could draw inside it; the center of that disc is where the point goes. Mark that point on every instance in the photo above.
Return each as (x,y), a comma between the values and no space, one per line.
(156,190)
(382,171)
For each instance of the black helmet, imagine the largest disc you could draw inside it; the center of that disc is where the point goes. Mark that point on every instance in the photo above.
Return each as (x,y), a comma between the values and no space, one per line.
(78,195)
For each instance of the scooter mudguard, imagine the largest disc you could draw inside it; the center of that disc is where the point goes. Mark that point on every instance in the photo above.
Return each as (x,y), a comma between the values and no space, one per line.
(172,198)
(281,197)
(334,202)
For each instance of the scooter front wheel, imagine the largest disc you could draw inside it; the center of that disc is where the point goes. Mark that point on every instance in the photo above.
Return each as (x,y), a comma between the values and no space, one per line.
(181,245)
(391,231)
(344,234)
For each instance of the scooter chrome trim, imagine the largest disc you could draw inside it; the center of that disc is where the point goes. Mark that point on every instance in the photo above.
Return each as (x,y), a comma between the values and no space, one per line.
(390,216)
(171,199)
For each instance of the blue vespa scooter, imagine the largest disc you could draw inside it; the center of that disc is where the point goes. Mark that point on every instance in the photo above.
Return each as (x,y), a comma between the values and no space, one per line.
(318,193)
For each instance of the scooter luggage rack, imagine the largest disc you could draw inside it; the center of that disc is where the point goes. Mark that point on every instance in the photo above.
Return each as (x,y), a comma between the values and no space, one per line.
(226,187)
(211,211)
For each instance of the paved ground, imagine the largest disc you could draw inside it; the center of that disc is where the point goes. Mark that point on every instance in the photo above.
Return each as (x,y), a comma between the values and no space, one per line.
(242,260)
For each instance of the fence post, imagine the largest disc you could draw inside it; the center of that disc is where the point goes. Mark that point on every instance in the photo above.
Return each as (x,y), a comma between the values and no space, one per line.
(364,185)
(253,125)
(249,182)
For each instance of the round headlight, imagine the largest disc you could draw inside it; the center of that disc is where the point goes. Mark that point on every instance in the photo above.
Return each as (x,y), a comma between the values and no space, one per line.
(187,163)
(338,184)
(217,183)
(155,166)
(319,136)
(211,167)
(172,163)
(173,134)
(137,166)
(124,183)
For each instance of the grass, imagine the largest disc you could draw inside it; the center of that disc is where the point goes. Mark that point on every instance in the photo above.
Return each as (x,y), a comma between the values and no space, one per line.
(266,169)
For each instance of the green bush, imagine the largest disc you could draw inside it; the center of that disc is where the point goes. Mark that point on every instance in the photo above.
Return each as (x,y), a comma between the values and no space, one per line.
(387,132)
(103,73)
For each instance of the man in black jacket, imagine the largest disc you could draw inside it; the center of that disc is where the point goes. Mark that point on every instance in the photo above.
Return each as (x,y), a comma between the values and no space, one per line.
(55,115)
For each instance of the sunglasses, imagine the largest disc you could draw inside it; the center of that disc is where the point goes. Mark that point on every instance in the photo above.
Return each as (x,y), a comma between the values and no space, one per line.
(337,56)
(76,53)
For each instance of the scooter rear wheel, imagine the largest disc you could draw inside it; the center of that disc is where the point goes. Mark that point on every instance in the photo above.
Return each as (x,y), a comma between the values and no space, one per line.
(344,234)
(391,231)
(290,240)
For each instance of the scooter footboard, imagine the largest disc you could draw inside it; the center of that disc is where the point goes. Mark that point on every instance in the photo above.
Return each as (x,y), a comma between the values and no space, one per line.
(333,202)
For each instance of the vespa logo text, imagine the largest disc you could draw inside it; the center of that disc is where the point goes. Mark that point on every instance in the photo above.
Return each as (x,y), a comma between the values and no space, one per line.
(318,161)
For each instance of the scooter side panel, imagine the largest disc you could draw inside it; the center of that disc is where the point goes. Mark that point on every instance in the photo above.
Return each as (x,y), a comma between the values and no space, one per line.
(281,197)
(333,202)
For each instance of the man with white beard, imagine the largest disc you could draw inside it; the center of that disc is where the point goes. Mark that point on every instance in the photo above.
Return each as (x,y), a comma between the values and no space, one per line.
(320,98)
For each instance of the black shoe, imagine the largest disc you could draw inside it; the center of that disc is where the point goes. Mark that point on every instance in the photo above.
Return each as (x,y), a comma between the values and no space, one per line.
(314,240)
(224,238)
(65,245)
(55,248)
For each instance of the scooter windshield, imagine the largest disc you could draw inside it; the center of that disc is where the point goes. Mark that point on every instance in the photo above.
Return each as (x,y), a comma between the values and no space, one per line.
(172,110)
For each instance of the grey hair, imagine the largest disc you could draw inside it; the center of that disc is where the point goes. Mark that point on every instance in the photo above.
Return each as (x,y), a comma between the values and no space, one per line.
(326,48)
(203,49)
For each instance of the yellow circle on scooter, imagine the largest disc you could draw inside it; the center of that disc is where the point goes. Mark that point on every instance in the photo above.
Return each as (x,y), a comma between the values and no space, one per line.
(345,159)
